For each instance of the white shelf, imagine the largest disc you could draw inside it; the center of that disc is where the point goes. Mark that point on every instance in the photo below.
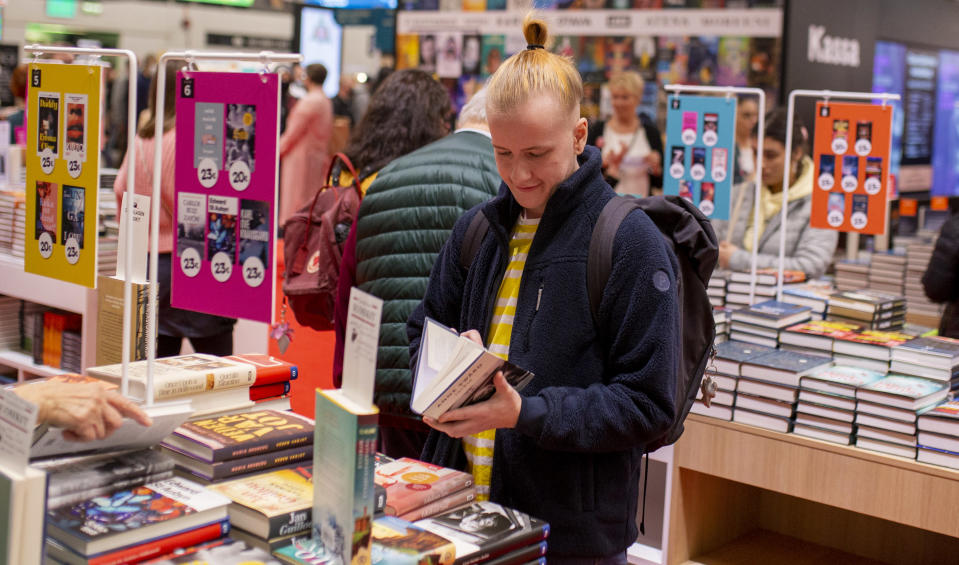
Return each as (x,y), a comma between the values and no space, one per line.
(42,290)
(25,365)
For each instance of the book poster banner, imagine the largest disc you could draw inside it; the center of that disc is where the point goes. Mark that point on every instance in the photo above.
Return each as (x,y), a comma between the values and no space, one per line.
(700,138)
(227,134)
(851,148)
(63,176)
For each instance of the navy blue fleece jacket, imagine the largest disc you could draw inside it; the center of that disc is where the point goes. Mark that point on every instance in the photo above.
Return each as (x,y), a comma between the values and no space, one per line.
(601,391)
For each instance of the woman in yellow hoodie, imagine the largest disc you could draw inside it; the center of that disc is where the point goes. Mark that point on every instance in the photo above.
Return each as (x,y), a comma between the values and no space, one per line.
(807,249)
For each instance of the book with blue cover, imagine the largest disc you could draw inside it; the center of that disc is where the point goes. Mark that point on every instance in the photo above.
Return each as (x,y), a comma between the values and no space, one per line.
(901,391)
(773,314)
(784,367)
(731,354)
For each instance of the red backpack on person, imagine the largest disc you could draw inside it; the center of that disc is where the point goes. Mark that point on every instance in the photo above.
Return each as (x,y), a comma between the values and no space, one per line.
(313,240)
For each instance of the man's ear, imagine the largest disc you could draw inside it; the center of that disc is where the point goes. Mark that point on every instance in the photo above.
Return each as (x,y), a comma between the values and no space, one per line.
(580,132)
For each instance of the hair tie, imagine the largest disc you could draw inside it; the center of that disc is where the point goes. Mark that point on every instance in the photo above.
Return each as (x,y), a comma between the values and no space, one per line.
(534,46)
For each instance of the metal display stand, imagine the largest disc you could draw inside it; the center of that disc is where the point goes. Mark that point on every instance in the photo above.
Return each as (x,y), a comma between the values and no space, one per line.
(729,91)
(825,95)
(190,57)
(133,69)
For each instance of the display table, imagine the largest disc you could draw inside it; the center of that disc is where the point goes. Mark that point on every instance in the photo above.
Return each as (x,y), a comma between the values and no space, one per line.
(738,491)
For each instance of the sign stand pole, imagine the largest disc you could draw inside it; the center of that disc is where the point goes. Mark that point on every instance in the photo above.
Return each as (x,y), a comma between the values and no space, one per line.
(825,95)
(133,70)
(190,57)
(761,94)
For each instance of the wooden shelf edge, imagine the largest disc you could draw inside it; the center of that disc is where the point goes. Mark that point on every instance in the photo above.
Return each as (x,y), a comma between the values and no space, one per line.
(762,546)
(843,450)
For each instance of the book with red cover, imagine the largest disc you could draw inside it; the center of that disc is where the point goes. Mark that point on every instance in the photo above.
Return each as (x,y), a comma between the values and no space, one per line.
(410,483)
(241,435)
(272,390)
(269,369)
(448,502)
(146,550)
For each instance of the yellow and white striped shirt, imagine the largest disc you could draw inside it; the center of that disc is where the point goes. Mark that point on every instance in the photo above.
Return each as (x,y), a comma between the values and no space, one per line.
(479,447)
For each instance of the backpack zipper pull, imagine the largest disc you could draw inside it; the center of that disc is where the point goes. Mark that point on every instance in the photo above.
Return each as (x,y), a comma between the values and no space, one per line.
(539,296)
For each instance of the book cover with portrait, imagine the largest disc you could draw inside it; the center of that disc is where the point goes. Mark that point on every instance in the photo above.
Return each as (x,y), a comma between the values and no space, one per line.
(48,122)
(241,134)
(73,214)
(190,224)
(46,210)
(221,227)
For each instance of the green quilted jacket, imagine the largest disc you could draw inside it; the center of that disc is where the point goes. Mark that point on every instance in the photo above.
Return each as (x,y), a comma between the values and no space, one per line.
(404,220)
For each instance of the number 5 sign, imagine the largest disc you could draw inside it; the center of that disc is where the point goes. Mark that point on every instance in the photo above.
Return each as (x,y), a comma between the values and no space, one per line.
(227,133)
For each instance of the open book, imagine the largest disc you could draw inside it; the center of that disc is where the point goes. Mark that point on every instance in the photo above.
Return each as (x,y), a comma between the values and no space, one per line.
(453,371)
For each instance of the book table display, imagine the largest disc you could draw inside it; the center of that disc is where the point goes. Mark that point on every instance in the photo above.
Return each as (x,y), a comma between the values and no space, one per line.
(742,494)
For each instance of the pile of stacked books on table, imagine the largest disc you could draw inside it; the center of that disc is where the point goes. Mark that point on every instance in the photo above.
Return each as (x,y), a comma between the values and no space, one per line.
(871,309)
(918,255)
(887,272)
(271,389)
(852,275)
(740,284)
(827,402)
(416,490)
(761,323)
(938,436)
(716,290)
(724,371)
(886,412)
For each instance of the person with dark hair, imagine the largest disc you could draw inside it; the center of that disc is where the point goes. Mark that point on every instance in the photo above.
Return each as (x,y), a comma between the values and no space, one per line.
(408,110)
(207,333)
(807,249)
(305,145)
(941,279)
(404,220)
(747,116)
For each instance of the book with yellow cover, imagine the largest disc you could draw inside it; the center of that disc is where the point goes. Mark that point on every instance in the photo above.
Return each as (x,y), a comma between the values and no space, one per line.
(269,505)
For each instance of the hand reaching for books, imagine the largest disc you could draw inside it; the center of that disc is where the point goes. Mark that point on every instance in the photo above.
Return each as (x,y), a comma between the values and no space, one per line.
(86,411)
(500,411)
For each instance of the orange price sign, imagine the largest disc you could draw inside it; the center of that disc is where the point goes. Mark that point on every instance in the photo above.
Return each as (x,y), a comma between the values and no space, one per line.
(851,167)
(939,203)
(908,206)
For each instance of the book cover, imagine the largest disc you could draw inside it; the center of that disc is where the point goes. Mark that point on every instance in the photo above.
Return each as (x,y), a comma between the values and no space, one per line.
(934,351)
(866,300)
(845,376)
(877,338)
(110,320)
(483,530)
(399,542)
(827,328)
(453,371)
(903,392)
(790,361)
(183,375)
(448,502)
(75,474)
(274,504)
(343,463)
(126,482)
(241,435)
(243,465)
(731,354)
(411,484)
(773,313)
(269,369)
(127,516)
(273,390)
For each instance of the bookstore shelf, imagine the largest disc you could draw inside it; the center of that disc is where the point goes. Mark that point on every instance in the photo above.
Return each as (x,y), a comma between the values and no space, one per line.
(736,489)
(56,294)
(25,366)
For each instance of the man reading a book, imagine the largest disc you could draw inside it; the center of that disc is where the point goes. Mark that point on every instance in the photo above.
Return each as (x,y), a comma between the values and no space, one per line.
(568,449)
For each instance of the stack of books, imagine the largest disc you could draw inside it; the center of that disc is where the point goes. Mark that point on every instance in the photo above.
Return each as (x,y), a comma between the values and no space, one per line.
(19,229)
(869,349)
(724,370)
(76,478)
(9,323)
(852,275)
(886,412)
(815,336)
(827,402)
(934,357)
(268,510)
(761,323)
(49,329)
(417,490)
(737,291)
(887,272)
(872,309)
(938,436)
(214,385)
(225,447)
(717,288)
(137,523)
(10,202)
(271,389)
(721,321)
(768,387)
(814,294)
(918,255)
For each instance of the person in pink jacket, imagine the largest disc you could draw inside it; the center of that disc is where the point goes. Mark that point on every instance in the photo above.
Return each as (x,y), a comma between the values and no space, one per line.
(304,147)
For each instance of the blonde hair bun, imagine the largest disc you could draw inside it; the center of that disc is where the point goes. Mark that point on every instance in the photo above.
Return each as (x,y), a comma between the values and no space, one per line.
(534,30)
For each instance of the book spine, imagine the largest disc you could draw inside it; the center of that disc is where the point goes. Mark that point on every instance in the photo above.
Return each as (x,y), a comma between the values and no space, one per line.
(259,392)
(290,523)
(401,500)
(75,497)
(163,546)
(504,545)
(257,462)
(446,503)
(178,384)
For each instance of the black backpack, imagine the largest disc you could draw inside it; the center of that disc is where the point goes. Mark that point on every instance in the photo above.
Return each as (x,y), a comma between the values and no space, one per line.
(691,237)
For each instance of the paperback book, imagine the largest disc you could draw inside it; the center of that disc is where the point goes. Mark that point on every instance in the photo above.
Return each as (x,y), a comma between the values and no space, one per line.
(271,505)
(411,484)
(241,435)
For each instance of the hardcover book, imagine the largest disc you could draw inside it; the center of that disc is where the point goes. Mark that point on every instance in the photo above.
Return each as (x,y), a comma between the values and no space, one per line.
(866,300)
(942,419)
(760,420)
(484,530)
(874,344)
(731,354)
(128,516)
(399,542)
(269,369)
(818,334)
(411,484)
(769,276)
(936,352)
(241,435)
(243,465)
(821,434)
(270,505)
(839,379)
(453,371)
(448,502)
(180,376)
(773,314)
(900,391)
(79,474)
(784,367)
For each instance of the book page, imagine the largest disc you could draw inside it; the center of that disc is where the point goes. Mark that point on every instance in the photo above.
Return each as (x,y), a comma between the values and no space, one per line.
(436,349)
(18,418)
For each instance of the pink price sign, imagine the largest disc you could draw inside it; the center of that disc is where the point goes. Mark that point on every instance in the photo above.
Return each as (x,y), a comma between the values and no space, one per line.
(227,132)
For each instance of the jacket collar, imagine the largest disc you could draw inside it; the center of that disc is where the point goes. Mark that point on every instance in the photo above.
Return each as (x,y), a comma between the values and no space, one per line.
(578,189)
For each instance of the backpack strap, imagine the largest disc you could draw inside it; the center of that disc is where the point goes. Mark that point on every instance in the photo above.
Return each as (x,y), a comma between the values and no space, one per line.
(475,233)
(600,262)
